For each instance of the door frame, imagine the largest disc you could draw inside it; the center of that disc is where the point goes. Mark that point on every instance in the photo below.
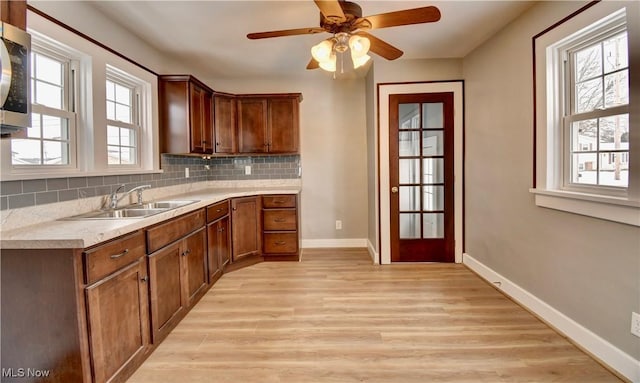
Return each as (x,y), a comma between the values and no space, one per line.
(384,187)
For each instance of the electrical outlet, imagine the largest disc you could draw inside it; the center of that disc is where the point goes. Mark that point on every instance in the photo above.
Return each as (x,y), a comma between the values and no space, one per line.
(338,225)
(635,324)
(186,172)
(247,170)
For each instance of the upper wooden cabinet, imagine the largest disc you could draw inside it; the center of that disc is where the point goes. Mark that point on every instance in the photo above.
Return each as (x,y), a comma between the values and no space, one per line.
(186,115)
(225,123)
(268,123)
(14,12)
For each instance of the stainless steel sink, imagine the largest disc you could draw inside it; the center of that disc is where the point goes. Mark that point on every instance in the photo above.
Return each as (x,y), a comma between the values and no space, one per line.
(133,211)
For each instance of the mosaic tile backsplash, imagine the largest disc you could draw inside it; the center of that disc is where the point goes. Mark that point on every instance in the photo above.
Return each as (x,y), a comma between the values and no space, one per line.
(16,194)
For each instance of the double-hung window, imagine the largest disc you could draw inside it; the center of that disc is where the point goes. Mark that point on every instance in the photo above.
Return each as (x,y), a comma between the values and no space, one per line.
(51,138)
(585,145)
(123,120)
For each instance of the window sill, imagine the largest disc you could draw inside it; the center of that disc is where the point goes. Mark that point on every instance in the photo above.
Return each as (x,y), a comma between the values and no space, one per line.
(76,173)
(614,209)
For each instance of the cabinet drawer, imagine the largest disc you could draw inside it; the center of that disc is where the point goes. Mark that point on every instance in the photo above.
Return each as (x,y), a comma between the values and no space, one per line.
(277,201)
(279,219)
(280,243)
(165,233)
(105,259)
(217,210)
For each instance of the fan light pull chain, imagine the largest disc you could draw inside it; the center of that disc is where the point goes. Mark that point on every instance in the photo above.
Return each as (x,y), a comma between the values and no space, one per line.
(341,62)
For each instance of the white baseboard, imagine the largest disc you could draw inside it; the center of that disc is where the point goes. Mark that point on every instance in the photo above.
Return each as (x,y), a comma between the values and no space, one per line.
(609,354)
(336,242)
(373,253)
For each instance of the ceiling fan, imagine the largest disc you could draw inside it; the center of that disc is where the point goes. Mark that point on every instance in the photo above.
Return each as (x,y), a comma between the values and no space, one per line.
(344,20)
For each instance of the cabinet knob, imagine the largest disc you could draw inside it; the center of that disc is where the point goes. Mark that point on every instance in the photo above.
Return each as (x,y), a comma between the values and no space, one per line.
(217,144)
(220,230)
(116,256)
(144,279)
(186,252)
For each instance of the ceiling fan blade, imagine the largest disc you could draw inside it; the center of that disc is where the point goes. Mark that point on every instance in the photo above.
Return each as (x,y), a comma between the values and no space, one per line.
(286,32)
(406,17)
(331,10)
(313,64)
(380,47)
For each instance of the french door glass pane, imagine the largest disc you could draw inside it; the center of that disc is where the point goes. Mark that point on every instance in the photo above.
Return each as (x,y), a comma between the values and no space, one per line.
(584,167)
(409,144)
(409,226)
(432,116)
(409,171)
(433,225)
(433,198)
(433,169)
(432,143)
(409,116)
(409,198)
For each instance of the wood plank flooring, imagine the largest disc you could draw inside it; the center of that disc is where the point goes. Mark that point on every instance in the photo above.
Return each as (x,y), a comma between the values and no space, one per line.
(335,317)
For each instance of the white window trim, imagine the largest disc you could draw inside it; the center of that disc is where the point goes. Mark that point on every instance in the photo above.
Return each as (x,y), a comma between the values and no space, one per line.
(549,192)
(136,85)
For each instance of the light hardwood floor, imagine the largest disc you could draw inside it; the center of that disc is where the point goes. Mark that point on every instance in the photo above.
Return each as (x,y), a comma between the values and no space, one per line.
(335,317)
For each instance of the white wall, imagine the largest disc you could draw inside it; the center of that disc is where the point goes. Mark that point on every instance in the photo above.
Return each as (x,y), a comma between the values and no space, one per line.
(586,268)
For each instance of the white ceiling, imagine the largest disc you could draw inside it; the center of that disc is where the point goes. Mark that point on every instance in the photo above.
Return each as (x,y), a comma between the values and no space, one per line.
(211,35)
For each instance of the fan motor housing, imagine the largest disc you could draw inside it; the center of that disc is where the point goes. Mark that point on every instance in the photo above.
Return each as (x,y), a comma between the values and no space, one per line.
(352,12)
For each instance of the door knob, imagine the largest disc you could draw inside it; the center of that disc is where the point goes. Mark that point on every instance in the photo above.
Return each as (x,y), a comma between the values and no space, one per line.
(394,189)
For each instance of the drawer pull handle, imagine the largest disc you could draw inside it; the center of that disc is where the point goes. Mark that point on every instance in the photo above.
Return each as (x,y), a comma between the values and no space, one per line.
(218,210)
(116,256)
(280,243)
(279,201)
(279,220)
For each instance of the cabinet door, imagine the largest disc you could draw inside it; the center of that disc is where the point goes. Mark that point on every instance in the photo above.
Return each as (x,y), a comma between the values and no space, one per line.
(195,265)
(246,228)
(196,113)
(252,125)
(118,319)
(283,125)
(224,242)
(218,238)
(167,298)
(207,122)
(225,123)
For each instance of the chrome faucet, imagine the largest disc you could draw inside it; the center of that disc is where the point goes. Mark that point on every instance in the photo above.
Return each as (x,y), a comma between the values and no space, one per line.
(113,197)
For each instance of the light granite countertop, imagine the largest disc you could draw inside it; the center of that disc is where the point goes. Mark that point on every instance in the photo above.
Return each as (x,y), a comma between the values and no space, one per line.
(66,234)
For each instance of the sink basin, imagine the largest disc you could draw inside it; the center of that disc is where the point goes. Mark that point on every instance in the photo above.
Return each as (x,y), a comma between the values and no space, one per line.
(133,211)
(160,205)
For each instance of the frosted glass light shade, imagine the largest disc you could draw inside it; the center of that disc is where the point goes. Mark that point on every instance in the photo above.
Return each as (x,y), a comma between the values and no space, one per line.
(330,64)
(322,52)
(359,46)
(359,61)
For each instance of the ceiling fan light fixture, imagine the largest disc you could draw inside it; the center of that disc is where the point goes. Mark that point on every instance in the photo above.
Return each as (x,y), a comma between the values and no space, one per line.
(359,46)
(323,51)
(359,61)
(330,64)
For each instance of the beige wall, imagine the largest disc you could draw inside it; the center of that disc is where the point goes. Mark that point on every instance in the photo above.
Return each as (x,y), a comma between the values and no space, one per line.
(587,268)
(333,149)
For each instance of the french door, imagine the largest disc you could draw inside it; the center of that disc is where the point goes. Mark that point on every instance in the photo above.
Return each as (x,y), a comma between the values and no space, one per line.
(421,152)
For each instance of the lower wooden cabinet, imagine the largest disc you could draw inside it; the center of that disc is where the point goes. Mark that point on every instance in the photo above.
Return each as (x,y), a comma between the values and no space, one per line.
(118,320)
(178,278)
(219,245)
(280,234)
(246,227)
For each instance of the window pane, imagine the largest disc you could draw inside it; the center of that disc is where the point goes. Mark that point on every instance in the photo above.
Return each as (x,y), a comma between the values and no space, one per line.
(433,198)
(123,95)
(113,155)
(583,168)
(432,143)
(34,130)
(123,113)
(409,144)
(409,171)
(614,169)
(55,153)
(128,156)
(111,93)
(614,132)
(588,63)
(583,135)
(48,95)
(48,70)
(111,110)
(113,135)
(615,53)
(54,128)
(25,152)
(588,95)
(433,169)
(409,198)
(409,226)
(616,89)
(127,137)
(432,116)
(407,114)
(433,225)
